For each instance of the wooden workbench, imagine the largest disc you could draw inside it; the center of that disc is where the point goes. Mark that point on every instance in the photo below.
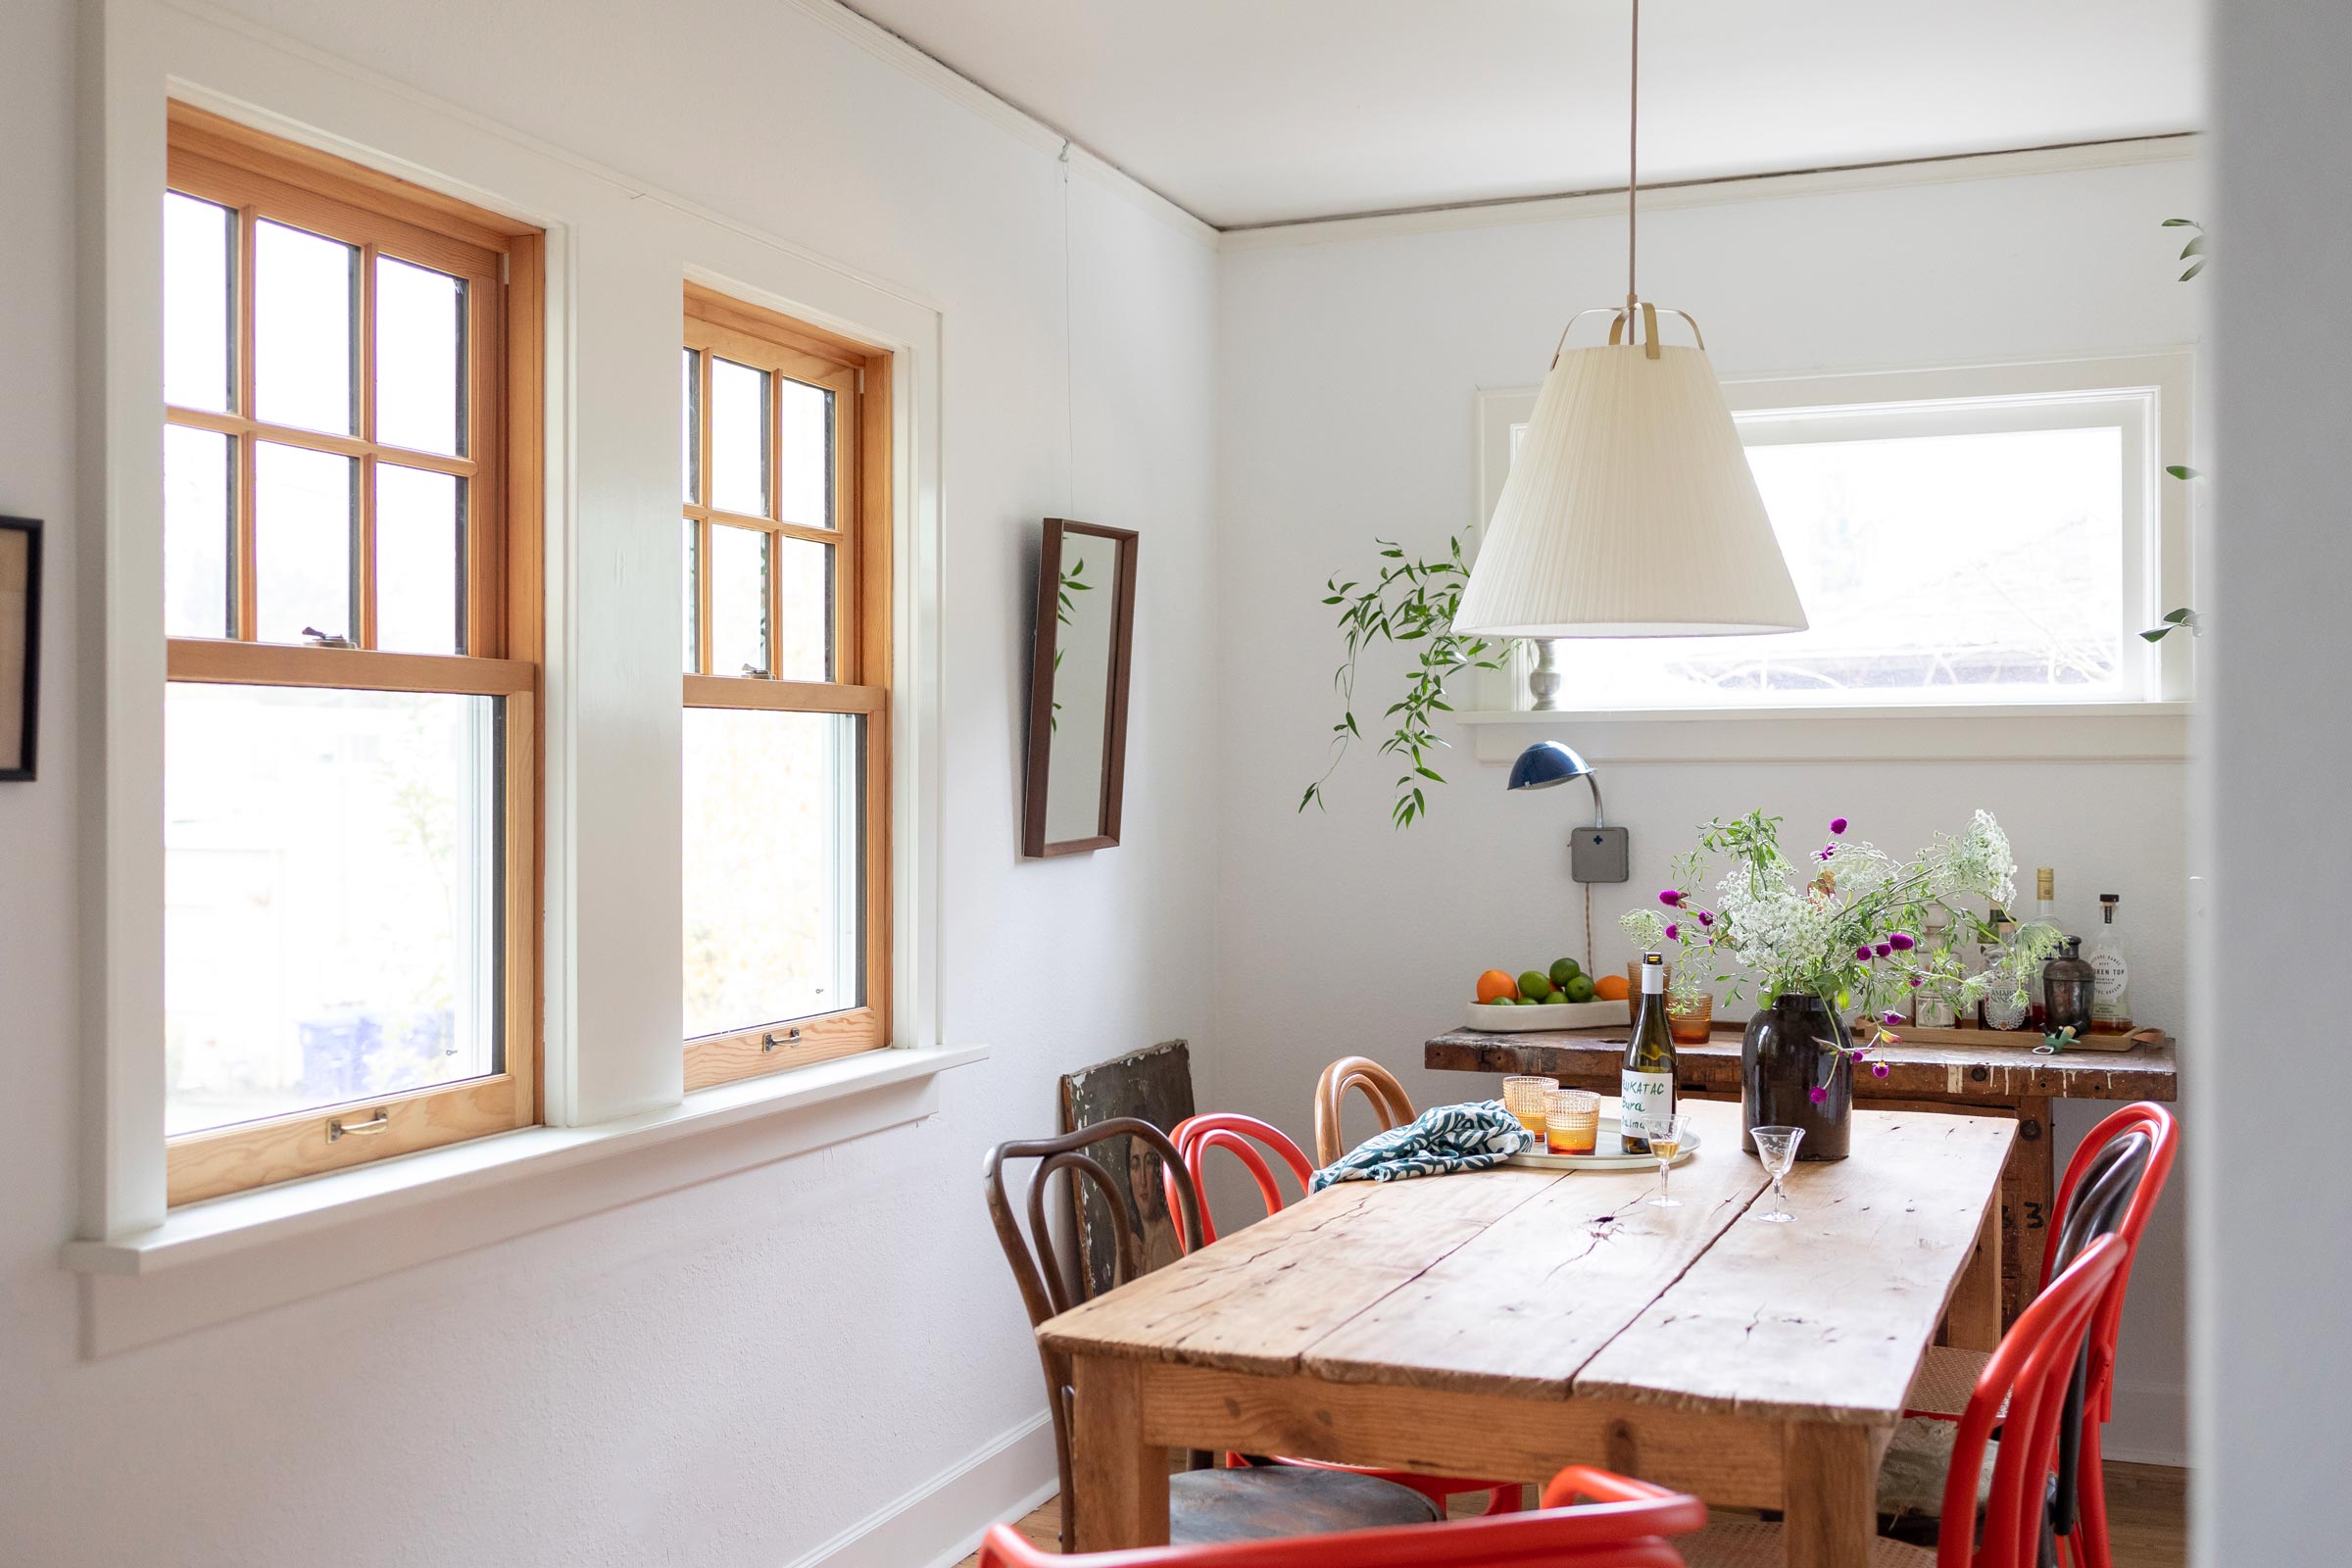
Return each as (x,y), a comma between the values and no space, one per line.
(1993,1079)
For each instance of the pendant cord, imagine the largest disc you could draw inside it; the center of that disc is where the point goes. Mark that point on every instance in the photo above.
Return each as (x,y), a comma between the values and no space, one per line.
(1633,166)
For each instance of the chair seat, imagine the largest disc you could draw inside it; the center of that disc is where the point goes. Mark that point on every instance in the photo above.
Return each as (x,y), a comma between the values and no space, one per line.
(1754,1543)
(1916,1463)
(1946,1378)
(1256,1504)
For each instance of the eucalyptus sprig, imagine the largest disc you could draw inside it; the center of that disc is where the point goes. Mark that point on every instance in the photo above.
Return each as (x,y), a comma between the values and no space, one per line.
(1411,600)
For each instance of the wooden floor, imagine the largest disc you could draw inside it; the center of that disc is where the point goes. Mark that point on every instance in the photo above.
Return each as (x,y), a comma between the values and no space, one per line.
(2147,1517)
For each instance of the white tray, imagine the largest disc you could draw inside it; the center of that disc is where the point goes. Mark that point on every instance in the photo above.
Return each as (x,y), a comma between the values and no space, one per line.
(1507,1018)
(1611,1130)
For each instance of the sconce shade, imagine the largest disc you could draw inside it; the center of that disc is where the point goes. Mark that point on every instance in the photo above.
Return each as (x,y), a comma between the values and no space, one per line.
(1546,764)
(1630,512)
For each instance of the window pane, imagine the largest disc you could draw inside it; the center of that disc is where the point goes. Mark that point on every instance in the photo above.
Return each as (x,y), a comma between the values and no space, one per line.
(737,601)
(693,599)
(420,358)
(691,452)
(304,328)
(419,553)
(804,465)
(199,532)
(738,438)
(1964,567)
(200,302)
(330,887)
(305,517)
(773,871)
(805,639)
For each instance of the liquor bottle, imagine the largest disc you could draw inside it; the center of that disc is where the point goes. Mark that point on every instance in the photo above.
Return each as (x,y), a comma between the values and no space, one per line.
(2001,1009)
(1932,1010)
(2045,912)
(2067,983)
(1645,1086)
(2111,975)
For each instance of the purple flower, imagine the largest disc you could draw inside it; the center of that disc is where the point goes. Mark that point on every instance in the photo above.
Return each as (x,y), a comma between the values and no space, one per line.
(1818,1094)
(1671,899)
(1883,949)
(1878,1069)
(1837,826)
(1825,852)
(1706,917)
(1901,942)
(1674,930)
(1915,982)
(1863,952)
(1892,1017)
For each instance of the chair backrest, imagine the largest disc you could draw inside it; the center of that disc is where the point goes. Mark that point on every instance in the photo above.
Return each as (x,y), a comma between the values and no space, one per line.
(2031,1374)
(2163,1135)
(1054,1281)
(1624,1528)
(1196,1136)
(1389,1102)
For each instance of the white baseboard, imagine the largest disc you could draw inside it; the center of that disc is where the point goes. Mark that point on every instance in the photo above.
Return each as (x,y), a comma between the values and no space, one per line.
(2151,1425)
(939,1523)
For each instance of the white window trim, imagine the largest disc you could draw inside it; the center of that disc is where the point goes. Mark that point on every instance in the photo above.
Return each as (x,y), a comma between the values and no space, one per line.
(614,1068)
(2156,727)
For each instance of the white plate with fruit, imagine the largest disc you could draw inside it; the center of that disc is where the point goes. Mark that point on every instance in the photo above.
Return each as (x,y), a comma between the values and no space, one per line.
(1563,997)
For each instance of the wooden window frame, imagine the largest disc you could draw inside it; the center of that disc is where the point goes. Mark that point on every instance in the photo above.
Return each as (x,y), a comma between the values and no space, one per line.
(256,175)
(859,377)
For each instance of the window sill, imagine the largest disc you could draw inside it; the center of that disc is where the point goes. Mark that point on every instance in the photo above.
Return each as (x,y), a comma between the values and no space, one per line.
(2007,732)
(211,1261)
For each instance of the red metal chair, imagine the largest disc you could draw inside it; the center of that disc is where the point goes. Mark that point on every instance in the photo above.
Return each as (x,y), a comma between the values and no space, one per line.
(2024,1391)
(2124,1160)
(1625,1526)
(1195,1137)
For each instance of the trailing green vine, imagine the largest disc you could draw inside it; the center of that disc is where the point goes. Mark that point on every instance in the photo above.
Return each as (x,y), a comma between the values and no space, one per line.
(1410,601)
(2193,252)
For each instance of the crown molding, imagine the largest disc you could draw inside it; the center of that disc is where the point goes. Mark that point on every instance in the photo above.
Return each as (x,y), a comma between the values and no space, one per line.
(2171,147)
(896,51)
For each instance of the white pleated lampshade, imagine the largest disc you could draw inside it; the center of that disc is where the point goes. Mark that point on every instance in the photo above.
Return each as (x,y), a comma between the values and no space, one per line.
(1630,512)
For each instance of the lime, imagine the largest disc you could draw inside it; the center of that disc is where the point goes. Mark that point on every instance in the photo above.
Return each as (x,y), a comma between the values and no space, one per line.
(1564,971)
(1580,988)
(1533,982)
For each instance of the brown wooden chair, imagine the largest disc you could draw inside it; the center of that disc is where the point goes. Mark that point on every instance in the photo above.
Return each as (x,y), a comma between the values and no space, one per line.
(1389,1102)
(1203,1504)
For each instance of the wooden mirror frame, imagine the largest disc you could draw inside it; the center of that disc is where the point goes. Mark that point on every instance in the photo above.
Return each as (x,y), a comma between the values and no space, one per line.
(1040,693)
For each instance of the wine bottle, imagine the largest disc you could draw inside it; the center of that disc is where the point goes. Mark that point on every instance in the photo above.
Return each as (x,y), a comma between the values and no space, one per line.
(2111,974)
(1930,1008)
(2045,912)
(1646,1085)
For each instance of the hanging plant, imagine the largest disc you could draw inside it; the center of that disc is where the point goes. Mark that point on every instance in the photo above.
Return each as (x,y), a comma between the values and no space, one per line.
(2193,252)
(1410,601)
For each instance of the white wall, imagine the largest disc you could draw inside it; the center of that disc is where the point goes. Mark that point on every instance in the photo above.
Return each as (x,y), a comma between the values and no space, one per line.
(2272,1271)
(1347,370)
(736,1372)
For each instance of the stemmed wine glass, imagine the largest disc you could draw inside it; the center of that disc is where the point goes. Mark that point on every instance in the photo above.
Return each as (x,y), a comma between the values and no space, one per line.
(1776,1146)
(1667,1135)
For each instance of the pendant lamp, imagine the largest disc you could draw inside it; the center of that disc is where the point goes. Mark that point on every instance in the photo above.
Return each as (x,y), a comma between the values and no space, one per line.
(1630,510)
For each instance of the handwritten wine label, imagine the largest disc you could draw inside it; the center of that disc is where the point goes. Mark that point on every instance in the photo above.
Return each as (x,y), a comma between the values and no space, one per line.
(1645,1102)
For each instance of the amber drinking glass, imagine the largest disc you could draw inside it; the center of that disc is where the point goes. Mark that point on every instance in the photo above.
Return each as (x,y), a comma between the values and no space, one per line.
(1523,1097)
(1571,1121)
(1691,1022)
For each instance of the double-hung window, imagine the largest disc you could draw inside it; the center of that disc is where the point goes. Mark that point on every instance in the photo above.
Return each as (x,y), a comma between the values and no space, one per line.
(351,600)
(787,724)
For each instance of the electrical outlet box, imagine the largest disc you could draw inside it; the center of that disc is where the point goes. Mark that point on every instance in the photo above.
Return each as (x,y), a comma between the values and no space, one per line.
(1600,855)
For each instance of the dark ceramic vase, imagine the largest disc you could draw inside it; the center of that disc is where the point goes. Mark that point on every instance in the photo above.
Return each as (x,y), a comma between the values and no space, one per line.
(1789,1050)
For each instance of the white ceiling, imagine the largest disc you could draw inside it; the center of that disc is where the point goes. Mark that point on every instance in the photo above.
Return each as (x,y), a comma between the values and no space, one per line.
(1259,110)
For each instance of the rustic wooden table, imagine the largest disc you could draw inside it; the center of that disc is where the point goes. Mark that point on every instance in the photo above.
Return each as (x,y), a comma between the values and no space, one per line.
(1512,1321)
(1993,1080)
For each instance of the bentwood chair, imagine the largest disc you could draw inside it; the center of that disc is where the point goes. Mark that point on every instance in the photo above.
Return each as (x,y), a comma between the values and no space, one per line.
(1625,1526)
(2112,1185)
(1392,1107)
(1203,1504)
(2024,1390)
(1242,1136)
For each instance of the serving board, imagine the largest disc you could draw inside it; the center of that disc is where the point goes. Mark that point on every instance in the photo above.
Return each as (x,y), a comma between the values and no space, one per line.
(2005,1039)
(1510,1018)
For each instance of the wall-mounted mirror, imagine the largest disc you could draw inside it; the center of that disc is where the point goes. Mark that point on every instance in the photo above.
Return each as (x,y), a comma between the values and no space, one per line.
(1078,689)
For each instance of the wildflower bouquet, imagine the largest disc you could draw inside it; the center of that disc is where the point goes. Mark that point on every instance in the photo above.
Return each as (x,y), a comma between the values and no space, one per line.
(1843,925)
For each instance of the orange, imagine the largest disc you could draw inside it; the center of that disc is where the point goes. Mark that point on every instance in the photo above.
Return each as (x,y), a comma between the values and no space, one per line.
(1496,986)
(1611,988)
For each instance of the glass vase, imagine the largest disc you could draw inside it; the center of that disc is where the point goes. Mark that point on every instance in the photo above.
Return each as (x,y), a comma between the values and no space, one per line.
(1789,1050)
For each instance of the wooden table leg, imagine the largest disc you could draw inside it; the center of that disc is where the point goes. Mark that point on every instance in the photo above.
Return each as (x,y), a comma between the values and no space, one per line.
(1830,1484)
(1119,1483)
(1974,1320)
(2028,1183)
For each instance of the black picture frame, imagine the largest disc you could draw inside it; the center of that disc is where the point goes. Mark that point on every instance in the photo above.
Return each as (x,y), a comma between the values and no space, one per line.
(19,646)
